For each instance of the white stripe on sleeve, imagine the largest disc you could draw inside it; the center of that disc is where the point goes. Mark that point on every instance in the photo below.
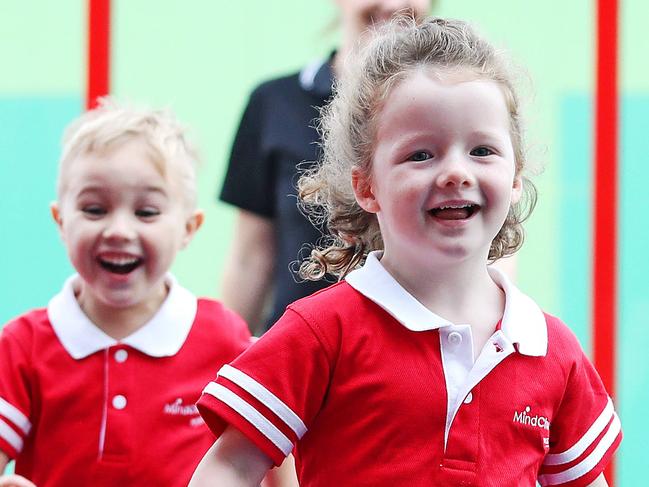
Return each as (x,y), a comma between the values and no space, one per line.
(588,463)
(250,414)
(585,441)
(267,398)
(10,436)
(13,414)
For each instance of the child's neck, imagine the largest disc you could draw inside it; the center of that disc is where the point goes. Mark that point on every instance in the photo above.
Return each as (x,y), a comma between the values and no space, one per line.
(118,323)
(462,293)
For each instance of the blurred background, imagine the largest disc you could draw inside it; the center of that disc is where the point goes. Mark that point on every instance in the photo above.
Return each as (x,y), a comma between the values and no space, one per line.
(203,57)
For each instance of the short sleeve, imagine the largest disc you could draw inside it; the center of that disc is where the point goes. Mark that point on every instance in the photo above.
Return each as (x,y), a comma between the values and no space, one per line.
(14,392)
(585,432)
(249,177)
(272,392)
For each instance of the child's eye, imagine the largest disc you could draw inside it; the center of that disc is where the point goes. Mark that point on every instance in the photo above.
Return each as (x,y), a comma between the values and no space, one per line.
(94,210)
(420,156)
(482,151)
(147,212)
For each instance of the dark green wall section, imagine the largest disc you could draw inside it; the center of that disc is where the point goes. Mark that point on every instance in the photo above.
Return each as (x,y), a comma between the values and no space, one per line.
(633,324)
(32,260)
(574,230)
(575,257)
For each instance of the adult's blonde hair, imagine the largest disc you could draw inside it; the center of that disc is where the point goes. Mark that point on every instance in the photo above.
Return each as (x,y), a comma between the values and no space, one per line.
(348,129)
(113,123)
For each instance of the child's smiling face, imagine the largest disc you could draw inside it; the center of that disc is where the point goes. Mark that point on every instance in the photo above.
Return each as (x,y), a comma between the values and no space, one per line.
(123,219)
(443,171)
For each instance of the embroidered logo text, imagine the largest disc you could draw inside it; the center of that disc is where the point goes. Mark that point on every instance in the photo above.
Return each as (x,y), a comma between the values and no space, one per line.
(524,417)
(177,408)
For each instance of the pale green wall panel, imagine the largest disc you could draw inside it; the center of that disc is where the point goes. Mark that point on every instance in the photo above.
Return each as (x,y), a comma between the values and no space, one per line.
(42,47)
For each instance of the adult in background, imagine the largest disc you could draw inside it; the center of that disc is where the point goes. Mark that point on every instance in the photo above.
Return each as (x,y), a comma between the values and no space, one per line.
(275,135)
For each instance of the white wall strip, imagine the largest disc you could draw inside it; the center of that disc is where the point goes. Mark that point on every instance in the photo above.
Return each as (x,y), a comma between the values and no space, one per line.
(14,415)
(585,441)
(250,414)
(266,397)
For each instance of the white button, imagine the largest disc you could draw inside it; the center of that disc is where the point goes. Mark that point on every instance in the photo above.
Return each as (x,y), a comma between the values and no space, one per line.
(119,402)
(121,356)
(468,399)
(455,338)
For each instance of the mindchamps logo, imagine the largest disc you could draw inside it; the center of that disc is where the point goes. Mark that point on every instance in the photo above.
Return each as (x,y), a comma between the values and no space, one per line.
(524,417)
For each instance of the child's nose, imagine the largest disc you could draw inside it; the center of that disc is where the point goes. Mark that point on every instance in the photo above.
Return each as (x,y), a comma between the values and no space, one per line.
(119,227)
(454,173)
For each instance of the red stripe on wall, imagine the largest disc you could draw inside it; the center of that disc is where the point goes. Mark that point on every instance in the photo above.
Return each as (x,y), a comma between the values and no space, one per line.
(605,197)
(98,51)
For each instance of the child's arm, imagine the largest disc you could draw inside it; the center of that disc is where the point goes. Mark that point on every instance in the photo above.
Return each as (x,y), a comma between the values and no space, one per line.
(282,476)
(599,482)
(11,480)
(233,461)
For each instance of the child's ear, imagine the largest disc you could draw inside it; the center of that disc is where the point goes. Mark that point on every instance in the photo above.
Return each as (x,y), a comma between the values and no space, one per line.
(517,189)
(363,191)
(55,211)
(192,225)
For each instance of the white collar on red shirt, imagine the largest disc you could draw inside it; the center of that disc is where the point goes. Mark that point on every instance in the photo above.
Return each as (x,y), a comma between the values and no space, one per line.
(523,322)
(162,336)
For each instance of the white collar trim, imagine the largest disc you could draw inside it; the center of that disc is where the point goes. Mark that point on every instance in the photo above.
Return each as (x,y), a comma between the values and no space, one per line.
(523,322)
(162,336)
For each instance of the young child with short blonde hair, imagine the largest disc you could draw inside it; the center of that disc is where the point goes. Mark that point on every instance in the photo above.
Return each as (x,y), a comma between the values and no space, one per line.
(99,387)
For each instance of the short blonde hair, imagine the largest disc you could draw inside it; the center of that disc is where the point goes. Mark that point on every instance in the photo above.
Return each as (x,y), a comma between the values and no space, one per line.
(348,130)
(113,123)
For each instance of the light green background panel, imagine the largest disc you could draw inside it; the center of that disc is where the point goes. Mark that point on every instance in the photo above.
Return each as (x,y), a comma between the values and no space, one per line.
(203,62)
(42,47)
(32,258)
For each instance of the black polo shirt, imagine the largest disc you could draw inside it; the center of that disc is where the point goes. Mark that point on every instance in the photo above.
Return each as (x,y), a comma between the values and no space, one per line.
(276,134)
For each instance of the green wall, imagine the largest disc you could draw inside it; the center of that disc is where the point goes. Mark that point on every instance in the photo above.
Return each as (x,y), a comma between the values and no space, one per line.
(203,57)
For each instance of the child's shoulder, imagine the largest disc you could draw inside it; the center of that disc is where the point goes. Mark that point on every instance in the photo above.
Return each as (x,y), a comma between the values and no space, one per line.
(333,310)
(28,324)
(334,299)
(214,318)
(562,341)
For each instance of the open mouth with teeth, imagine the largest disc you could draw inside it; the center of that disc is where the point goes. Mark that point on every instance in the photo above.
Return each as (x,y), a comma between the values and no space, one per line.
(455,212)
(120,266)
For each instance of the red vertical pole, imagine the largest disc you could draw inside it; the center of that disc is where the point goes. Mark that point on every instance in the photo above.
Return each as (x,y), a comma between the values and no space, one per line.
(606,197)
(98,51)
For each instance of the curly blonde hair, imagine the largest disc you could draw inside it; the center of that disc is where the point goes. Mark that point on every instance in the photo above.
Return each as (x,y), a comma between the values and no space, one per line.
(348,125)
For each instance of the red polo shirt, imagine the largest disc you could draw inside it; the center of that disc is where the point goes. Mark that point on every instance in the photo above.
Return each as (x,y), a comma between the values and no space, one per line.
(78,408)
(373,389)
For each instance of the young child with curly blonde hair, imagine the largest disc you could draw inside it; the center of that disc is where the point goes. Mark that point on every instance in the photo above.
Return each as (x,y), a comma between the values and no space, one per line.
(423,365)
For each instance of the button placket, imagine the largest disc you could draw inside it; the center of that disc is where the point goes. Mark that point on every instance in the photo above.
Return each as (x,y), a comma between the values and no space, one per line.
(118,445)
